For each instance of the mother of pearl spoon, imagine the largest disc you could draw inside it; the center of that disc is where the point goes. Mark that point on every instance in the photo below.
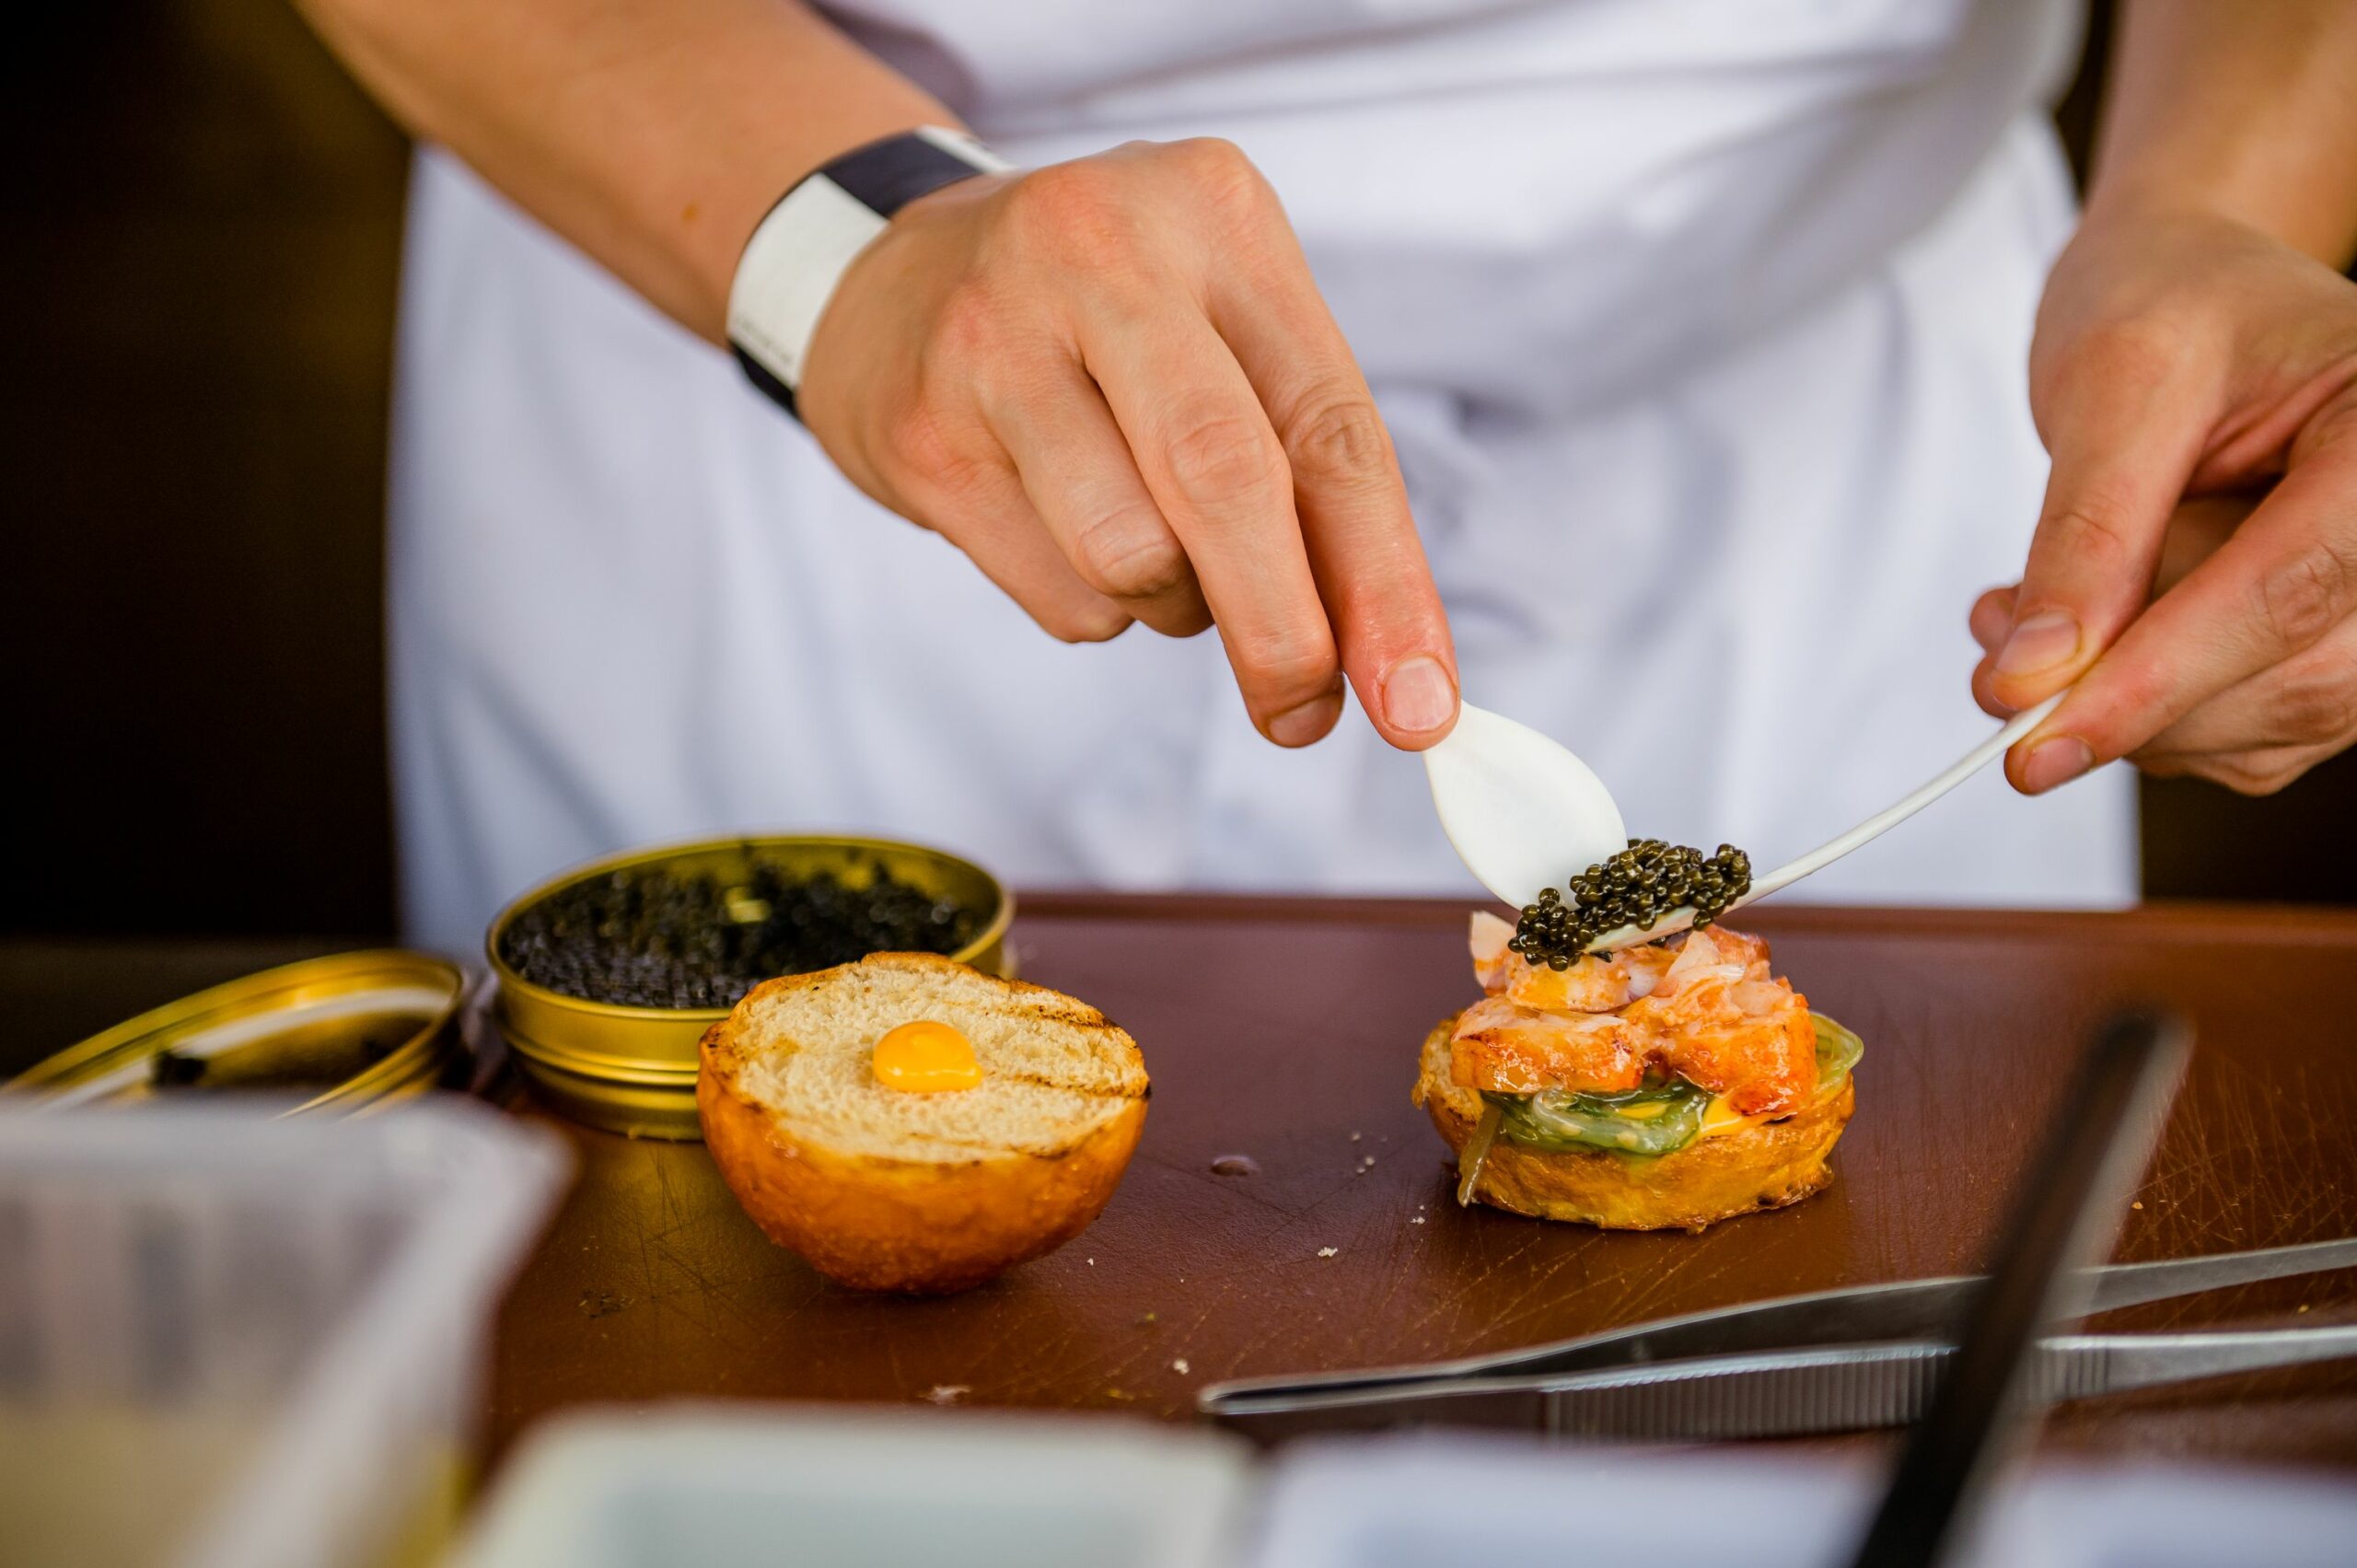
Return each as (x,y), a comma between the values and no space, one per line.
(1524,813)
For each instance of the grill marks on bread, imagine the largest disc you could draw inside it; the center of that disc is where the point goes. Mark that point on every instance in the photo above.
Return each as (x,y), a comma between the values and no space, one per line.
(1054,1070)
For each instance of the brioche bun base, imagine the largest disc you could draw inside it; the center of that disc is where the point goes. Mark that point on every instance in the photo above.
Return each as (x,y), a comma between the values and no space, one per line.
(1762,1166)
(920,1227)
(916,1214)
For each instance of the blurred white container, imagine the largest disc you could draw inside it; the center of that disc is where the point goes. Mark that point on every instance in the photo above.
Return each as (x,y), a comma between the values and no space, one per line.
(724,1486)
(228,1340)
(1413,1501)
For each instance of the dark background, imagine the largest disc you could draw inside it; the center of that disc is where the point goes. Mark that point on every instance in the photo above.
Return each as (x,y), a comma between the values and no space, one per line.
(200,244)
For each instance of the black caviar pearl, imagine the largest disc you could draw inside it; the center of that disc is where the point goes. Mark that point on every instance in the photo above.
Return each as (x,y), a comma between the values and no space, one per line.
(1635,887)
(649,938)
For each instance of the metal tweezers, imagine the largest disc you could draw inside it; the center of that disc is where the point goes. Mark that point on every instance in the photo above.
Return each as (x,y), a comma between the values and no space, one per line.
(1836,1361)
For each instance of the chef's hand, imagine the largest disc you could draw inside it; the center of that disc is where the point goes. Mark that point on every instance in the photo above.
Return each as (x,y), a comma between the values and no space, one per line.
(2195,564)
(1113,385)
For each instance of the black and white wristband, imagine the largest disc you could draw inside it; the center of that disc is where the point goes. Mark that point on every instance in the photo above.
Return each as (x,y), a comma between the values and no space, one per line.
(801,250)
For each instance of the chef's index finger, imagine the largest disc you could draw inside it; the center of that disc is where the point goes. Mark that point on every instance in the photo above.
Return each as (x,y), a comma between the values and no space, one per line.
(2123,448)
(1215,469)
(1355,520)
(2281,583)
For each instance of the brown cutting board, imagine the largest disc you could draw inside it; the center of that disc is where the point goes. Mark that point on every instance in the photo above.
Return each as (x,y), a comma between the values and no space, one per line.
(1285,1031)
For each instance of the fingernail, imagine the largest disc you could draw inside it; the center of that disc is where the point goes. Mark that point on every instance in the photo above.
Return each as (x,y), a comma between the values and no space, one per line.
(1418,695)
(2056,761)
(1299,727)
(2041,641)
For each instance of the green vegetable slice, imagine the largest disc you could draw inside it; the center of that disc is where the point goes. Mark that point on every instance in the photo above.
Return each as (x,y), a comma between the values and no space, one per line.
(1477,1151)
(1647,1121)
(1837,1051)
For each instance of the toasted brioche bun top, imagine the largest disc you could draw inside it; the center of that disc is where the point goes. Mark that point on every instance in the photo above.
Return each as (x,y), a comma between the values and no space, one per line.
(1053,1071)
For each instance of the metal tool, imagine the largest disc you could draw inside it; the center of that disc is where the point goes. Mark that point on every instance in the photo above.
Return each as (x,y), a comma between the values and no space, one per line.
(1832,1361)
(2066,1215)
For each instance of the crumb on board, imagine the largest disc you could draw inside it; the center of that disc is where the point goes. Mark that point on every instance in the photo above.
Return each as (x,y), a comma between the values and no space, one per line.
(1179,1366)
(947,1393)
(1416,1219)
(2136,1205)
(1354,1137)
(1328,1251)
(1121,1394)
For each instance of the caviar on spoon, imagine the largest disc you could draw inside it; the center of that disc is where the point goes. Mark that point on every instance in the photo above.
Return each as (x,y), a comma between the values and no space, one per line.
(1637,887)
(1528,818)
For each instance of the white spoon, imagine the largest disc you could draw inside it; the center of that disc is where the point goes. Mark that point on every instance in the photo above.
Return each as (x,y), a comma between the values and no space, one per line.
(1524,814)
(1521,810)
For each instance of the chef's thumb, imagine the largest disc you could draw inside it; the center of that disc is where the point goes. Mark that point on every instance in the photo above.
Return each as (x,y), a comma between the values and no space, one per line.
(2122,452)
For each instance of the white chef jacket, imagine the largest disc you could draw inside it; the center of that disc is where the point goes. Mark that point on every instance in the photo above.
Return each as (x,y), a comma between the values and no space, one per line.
(1700,327)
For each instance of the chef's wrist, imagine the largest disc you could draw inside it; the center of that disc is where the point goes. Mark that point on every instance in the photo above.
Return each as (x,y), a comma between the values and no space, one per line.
(2123,205)
(2130,192)
(807,242)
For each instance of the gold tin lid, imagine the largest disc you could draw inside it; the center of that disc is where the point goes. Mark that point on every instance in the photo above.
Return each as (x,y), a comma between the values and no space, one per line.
(632,1069)
(352,1031)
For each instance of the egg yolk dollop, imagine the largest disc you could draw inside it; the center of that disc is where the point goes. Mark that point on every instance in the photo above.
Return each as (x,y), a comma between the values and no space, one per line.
(926,1056)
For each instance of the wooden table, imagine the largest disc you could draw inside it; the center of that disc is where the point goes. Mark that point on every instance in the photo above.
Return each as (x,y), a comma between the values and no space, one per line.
(1286,1030)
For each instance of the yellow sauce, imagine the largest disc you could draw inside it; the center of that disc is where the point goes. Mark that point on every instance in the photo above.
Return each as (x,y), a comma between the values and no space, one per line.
(926,1057)
(1720,1116)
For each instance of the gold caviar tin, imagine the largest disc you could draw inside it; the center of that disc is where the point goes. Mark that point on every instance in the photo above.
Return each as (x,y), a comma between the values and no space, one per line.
(350,1032)
(633,1070)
